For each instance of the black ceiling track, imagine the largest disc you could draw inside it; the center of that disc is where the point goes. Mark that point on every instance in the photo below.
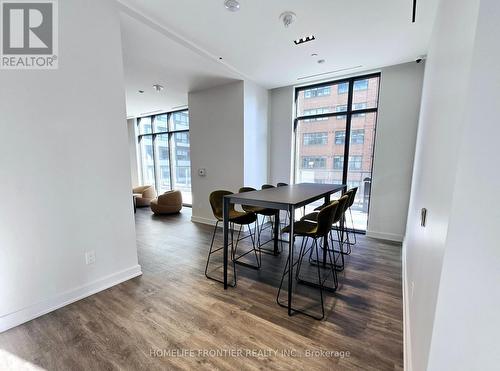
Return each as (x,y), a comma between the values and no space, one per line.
(414,11)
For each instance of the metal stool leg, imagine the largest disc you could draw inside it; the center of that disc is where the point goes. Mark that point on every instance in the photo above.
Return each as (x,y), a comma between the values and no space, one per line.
(211,251)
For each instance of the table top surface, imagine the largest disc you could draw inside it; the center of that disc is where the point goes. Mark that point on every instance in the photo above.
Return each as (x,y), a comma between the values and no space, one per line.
(294,194)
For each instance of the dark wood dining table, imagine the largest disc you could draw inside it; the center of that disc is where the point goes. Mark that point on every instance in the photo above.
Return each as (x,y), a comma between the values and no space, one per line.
(287,198)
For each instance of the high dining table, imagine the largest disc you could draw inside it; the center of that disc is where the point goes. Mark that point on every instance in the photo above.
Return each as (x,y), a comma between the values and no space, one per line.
(288,198)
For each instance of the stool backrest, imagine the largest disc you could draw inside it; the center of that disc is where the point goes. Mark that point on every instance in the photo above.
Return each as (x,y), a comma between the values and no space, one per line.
(353,192)
(216,199)
(341,208)
(325,218)
(267,186)
(281,184)
(246,189)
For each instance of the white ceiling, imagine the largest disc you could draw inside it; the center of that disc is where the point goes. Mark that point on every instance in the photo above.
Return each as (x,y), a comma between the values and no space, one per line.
(178,43)
(150,57)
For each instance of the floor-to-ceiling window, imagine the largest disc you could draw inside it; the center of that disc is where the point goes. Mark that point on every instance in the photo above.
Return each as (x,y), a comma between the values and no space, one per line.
(164,152)
(335,136)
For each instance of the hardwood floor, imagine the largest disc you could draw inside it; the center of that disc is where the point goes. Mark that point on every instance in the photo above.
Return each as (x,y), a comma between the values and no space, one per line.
(172,317)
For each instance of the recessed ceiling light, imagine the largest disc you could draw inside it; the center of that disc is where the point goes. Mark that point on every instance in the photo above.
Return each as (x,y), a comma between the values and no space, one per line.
(321,61)
(304,39)
(141,91)
(314,54)
(232,5)
(158,87)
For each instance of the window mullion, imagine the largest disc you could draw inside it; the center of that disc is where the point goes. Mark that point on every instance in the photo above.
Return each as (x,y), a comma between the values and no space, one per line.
(170,149)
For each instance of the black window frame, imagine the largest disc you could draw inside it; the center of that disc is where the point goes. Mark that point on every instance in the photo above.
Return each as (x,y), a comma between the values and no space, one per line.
(170,132)
(347,115)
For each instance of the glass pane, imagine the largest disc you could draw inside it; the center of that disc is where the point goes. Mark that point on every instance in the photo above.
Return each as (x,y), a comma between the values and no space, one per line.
(319,147)
(160,123)
(146,145)
(360,166)
(325,99)
(162,163)
(365,94)
(320,152)
(180,121)
(145,125)
(182,165)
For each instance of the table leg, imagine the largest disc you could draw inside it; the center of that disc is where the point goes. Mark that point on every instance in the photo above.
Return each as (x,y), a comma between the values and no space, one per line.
(325,241)
(225,214)
(276,232)
(290,259)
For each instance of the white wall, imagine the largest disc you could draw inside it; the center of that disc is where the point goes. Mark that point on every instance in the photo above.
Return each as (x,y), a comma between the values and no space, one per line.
(256,134)
(400,94)
(64,170)
(399,107)
(216,124)
(444,100)
(466,324)
(281,132)
(132,152)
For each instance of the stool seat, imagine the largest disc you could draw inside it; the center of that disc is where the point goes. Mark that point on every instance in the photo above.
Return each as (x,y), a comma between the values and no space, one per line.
(302,228)
(311,217)
(240,217)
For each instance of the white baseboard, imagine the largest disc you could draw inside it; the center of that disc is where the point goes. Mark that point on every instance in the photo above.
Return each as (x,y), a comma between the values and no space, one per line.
(406,317)
(385,236)
(21,316)
(197,219)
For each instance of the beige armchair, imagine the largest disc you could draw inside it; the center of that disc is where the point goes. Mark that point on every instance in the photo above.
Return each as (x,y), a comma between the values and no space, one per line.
(168,203)
(144,195)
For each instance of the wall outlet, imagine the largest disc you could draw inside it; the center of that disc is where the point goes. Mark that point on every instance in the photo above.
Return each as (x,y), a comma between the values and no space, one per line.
(90,257)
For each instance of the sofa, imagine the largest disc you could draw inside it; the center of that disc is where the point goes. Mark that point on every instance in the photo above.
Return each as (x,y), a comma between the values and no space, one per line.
(168,203)
(144,195)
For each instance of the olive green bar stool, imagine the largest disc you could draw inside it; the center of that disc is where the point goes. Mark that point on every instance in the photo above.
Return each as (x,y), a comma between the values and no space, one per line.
(270,214)
(337,218)
(313,231)
(354,191)
(349,234)
(235,218)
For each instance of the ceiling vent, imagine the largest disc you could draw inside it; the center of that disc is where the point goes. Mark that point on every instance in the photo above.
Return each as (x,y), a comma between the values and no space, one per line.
(329,72)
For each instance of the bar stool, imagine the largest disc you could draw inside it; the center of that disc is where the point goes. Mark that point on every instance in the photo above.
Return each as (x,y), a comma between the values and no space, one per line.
(337,218)
(349,207)
(258,211)
(235,217)
(269,213)
(352,194)
(309,230)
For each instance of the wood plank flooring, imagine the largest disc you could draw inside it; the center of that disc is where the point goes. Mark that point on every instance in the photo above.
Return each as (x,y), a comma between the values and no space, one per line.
(172,317)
